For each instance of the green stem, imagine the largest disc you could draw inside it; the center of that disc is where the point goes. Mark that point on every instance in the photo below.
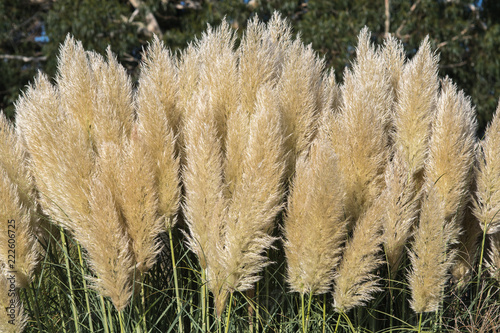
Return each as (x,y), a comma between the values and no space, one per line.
(337,324)
(63,322)
(203,302)
(143,304)
(308,310)
(80,257)
(420,323)
(303,314)
(348,321)
(174,265)
(324,313)
(479,271)
(111,326)
(257,302)
(105,317)
(391,303)
(120,318)
(70,283)
(33,299)
(228,313)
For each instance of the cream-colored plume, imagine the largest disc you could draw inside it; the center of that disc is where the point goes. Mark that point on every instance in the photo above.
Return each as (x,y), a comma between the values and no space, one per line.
(315,228)
(159,123)
(20,248)
(76,84)
(393,55)
(13,159)
(451,150)
(62,158)
(300,99)
(487,204)
(447,181)
(467,249)
(355,281)
(364,118)
(107,178)
(431,258)
(256,200)
(415,109)
(205,204)
(112,107)
(261,55)
(139,203)
(493,262)
(12,316)
(108,246)
(158,91)
(331,93)
(401,210)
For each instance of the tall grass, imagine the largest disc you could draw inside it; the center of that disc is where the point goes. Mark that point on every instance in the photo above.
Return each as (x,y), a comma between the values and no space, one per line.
(240,188)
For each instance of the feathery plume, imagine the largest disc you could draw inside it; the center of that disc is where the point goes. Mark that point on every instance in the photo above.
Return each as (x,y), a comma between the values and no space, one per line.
(256,200)
(314,226)
(493,262)
(76,83)
(447,180)
(487,203)
(416,102)
(139,203)
(261,55)
(218,73)
(205,204)
(451,150)
(354,282)
(158,88)
(20,249)
(331,92)
(159,120)
(237,134)
(393,56)
(364,118)
(401,210)
(12,316)
(467,249)
(431,257)
(13,159)
(299,93)
(113,109)
(62,157)
(188,73)
(107,245)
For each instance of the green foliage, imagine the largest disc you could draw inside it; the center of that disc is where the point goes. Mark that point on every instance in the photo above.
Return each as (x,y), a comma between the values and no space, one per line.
(269,308)
(467,37)
(97,23)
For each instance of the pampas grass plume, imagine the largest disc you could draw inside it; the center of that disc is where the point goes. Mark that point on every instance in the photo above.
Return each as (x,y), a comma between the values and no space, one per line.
(314,226)
(364,118)
(257,198)
(12,316)
(416,102)
(108,246)
(487,204)
(205,204)
(355,281)
(26,247)
(401,210)
(447,180)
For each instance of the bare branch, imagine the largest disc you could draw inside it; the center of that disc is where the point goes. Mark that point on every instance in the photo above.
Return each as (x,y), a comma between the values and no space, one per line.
(461,35)
(22,58)
(412,9)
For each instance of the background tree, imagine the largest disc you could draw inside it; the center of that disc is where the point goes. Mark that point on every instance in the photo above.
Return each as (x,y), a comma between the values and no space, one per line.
(466,33)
